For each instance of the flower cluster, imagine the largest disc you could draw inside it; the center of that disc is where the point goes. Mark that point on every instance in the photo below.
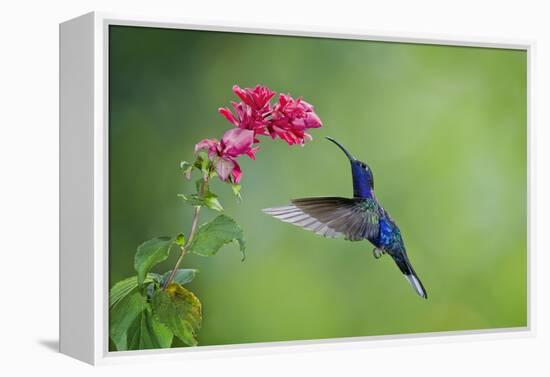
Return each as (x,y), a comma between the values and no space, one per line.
(223,154)
(254,115)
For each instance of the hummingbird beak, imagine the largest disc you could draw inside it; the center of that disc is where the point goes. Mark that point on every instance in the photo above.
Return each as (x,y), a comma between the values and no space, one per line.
(351,158)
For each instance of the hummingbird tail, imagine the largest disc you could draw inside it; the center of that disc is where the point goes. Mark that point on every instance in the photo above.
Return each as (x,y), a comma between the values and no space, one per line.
(417,285)
(406,268)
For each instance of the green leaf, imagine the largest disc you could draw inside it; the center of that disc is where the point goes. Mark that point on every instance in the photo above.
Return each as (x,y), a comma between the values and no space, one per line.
(216,233)
(124,287)
(236,190)
(121,317)
(182,276)
(203,163)
(211,201)
(187,168)
(151,253)
(180,311)
(192,199)
(163,334)
(148,333)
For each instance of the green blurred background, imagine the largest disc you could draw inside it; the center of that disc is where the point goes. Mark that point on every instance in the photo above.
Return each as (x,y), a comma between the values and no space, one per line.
(443,128)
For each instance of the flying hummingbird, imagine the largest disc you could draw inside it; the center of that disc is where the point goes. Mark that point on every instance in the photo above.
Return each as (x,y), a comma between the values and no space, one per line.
(359,218)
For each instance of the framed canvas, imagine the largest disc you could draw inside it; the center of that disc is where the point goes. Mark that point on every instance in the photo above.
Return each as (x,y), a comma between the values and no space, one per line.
(218,193)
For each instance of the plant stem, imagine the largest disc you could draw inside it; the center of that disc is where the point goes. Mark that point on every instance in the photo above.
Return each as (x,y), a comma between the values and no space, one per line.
(185,248)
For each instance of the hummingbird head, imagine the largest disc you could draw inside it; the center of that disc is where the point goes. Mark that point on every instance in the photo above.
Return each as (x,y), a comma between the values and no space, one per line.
(363,181)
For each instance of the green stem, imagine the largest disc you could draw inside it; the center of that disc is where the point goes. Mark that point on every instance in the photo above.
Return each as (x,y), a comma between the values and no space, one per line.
(192,233)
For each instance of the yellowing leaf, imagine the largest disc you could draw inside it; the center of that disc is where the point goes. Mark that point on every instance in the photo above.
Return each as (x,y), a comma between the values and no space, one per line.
(180,311)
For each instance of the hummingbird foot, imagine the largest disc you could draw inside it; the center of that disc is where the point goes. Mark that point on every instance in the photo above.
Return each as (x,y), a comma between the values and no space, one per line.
(377,253)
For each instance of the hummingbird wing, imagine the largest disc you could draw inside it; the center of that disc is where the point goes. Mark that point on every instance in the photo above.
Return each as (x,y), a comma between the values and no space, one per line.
(356,219)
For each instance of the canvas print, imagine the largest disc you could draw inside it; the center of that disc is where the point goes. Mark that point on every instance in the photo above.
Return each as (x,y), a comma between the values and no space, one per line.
(268,188)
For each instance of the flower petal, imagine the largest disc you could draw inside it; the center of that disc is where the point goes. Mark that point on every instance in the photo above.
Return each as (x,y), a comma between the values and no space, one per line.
(252,152)
(243,95)
(237,142)
(228,115)
(205,144)
(237,173)
(312,120)
(224,167)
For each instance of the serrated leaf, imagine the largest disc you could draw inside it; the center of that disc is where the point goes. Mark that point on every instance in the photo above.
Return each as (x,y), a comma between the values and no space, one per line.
(151,253)
(124,287)
(163,334)
(213,235)
(148,333)
(182,276)
(122,316)
(180,311)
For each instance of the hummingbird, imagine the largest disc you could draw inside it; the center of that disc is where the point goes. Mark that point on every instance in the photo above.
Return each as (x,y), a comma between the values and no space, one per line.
(359,218)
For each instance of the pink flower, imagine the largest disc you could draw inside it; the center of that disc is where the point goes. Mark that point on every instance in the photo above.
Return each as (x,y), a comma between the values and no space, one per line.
(290,119)
(224,153)
(247,118)
(252,112)
(257,98)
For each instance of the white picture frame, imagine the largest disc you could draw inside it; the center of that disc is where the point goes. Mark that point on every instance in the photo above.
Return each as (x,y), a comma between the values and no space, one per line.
(84,190)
